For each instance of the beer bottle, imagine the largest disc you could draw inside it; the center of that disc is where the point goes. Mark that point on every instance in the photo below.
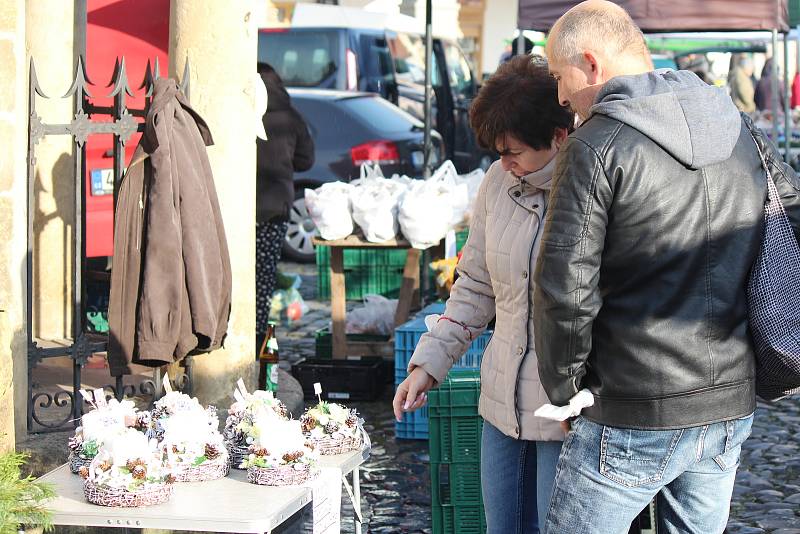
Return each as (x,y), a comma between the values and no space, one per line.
(268,361)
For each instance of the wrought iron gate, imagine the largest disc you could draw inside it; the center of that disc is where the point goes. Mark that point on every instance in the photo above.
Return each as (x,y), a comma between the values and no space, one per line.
(83,344)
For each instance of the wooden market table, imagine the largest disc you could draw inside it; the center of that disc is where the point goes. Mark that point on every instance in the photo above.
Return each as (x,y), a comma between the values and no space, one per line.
(340,346)
(230,504)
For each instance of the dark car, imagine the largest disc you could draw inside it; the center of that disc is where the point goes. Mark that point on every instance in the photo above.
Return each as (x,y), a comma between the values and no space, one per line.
(386,62)
(351,128)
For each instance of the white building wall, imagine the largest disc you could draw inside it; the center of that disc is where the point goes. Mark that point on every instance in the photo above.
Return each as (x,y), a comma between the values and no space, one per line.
(499,23)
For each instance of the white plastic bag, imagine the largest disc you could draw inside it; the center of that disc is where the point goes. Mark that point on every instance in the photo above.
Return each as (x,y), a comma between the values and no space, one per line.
(473,182)
(431,208)
(329,208)
(374,202)
(375,317)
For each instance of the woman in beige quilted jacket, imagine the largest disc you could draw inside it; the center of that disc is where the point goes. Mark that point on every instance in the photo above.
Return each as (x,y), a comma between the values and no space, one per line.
(517,113)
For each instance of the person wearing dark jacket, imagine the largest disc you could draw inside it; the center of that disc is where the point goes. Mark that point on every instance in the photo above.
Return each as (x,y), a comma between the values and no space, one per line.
(288,149)
(763,95)
(656,216)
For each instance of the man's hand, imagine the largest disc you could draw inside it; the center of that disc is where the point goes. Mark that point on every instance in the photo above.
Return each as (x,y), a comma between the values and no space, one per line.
(412,393)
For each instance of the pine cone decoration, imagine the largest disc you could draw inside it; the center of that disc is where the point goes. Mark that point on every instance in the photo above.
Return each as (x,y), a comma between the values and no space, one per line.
(83,472)
(261,452)
(132,464)
(75,443)
(282,411)
(170,479)
(331,427)
(292,456)
(310,445)
(139,472)
(351,421)
(307,423)
(175,449)
(142,421)
(105,466)
(211,451)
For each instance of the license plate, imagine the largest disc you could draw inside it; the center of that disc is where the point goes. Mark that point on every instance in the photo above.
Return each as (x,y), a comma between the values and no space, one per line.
(102,182)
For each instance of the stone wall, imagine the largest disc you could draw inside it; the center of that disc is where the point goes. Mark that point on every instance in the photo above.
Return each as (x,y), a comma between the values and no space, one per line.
(13,135)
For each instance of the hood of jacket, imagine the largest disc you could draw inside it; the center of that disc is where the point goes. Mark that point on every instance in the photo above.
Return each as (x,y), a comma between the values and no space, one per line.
(696,123)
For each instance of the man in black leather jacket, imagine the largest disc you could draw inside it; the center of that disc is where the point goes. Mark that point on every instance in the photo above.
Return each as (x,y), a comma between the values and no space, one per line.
(655,218)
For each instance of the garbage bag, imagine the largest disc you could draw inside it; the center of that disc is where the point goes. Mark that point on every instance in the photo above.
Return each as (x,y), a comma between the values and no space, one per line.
(376,316)
(329,208)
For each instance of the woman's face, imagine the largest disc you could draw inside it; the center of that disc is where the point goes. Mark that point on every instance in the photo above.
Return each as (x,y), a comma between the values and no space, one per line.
(519,159)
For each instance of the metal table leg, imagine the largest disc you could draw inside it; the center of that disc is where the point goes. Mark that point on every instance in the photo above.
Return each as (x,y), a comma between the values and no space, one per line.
(357,500)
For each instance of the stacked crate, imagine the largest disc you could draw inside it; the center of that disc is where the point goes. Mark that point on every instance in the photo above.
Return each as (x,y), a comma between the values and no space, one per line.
(370,271)
(415,424)
(455,452)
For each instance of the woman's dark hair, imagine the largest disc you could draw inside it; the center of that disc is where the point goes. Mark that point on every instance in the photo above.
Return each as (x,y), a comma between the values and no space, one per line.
(520,99)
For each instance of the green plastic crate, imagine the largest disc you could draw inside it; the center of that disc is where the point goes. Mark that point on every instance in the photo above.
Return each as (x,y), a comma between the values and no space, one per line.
(383,280)
(454,425)
(461,238)
(448,519)
(358,257)
(455,438)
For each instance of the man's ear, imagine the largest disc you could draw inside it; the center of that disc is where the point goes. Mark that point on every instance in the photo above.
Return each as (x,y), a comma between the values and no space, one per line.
(592,68)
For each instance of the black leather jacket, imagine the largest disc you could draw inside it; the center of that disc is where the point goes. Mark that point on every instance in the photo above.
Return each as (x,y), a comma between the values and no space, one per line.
(640,285)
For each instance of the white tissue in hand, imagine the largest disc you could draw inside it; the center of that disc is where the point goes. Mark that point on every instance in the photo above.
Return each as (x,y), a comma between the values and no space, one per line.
(582,399)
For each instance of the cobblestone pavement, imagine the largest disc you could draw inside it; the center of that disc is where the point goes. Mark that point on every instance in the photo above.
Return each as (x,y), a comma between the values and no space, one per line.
(396,482)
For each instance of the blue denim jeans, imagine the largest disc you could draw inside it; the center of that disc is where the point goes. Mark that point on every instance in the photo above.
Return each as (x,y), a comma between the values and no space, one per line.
(606,476)
(516,480)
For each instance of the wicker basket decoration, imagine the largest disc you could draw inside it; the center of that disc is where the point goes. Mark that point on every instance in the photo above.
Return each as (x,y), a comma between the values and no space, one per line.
(128,471)
(188,437)
(238,433)
(280,454)
(213,464)
(108,418)
(333,429)
(146,496)
(285,475)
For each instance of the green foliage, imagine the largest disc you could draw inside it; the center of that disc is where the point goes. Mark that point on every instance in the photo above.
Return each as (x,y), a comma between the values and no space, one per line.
(90,448)
(199,460)
(21,499)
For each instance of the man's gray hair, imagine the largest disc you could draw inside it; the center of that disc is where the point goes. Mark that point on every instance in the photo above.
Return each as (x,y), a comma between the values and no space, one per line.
(601,27)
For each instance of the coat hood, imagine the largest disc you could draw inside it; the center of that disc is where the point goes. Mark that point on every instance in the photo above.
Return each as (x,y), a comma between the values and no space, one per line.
(697,123)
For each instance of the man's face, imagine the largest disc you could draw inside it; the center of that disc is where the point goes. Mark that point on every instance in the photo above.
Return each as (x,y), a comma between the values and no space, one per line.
(577,85)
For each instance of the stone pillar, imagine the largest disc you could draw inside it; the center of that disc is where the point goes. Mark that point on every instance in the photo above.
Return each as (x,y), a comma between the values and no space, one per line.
(13,147)
(49,41)
(499,23)
(219,40)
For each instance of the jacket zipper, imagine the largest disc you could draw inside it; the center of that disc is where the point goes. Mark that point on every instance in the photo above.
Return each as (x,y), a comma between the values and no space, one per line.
(139,228)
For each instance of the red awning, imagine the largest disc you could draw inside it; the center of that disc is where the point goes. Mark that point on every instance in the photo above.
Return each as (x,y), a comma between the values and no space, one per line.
(673,15)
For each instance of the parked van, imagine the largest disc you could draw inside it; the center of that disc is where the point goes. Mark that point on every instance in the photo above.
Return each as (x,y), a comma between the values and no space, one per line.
(330,47)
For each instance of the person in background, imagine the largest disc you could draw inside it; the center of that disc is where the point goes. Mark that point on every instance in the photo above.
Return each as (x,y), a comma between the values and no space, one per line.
(763,94)
(288,149)
(740,84)
(517,114)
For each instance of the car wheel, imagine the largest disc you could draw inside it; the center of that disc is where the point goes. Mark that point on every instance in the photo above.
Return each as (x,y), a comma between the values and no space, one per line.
(298,245)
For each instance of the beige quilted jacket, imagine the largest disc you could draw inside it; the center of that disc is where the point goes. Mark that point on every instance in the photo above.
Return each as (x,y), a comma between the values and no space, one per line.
(495,279)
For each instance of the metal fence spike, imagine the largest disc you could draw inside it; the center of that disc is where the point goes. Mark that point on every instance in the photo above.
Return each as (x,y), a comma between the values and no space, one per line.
(34,81)
(148,75)
(79,82)
(121,81)
(184,85)
(114,74)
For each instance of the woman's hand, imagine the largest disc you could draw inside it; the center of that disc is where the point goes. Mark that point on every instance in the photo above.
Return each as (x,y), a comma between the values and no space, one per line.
(412,393)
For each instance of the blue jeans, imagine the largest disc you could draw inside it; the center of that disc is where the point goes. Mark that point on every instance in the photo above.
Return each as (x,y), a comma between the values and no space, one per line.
(607,475)
(516,480)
